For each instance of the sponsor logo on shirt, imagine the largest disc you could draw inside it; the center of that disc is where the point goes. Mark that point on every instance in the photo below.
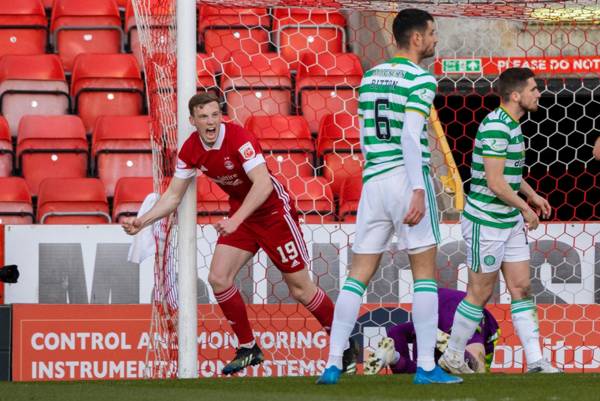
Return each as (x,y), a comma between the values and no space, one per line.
(496,145)
(247,151)
(230,180)
(228,164)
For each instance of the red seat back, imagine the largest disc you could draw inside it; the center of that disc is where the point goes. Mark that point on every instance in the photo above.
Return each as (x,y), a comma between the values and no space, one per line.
(256,85)
(130,193)
(30,37)
(72,201)
(121,148)
(38,67)
(106,84)
(349,198)
(15,201)
(299,31)
(338,132)
(51,146)
(6,150)
(85,26)
(314,199)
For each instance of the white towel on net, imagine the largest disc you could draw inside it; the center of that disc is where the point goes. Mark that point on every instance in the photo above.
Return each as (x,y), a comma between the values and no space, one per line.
(143,245)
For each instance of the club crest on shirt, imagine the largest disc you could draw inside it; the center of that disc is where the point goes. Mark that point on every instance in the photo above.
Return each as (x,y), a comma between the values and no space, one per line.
(247,151)
(228,164)
(426,95)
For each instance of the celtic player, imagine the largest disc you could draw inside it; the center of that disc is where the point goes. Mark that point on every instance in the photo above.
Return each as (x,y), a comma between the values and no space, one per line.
(495,223)
(397,197)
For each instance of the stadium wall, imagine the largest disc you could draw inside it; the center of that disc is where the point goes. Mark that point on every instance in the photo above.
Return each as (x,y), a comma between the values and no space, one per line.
(99,342)
(468,37)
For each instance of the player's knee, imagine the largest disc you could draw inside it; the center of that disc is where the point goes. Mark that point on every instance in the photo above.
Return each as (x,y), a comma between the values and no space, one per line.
(520,290)
(300,294)
(219,282)
(481,293)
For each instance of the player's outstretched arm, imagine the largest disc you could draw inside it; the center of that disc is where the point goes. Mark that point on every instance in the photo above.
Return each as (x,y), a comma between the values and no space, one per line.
(494,173)
(258,194)
(540,205)
(167,203)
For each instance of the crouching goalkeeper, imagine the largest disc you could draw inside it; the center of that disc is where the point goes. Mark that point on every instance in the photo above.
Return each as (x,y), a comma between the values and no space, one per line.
(393,350)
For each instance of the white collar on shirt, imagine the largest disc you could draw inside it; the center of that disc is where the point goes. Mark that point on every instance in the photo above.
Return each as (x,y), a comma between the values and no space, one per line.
(219,140)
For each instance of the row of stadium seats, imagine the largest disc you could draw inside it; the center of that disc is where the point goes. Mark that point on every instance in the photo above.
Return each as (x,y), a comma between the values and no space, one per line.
(84,201)
(95,26)
(100,85)
(56,146)
(262,83)
(112,85)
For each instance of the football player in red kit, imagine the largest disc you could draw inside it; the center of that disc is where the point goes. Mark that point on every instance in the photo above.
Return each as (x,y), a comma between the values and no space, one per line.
(262,215)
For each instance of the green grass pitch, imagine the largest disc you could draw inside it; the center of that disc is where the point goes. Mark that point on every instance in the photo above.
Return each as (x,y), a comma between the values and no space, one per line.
(489,387)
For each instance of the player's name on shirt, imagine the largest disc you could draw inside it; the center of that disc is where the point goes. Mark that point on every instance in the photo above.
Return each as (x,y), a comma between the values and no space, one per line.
(387,91)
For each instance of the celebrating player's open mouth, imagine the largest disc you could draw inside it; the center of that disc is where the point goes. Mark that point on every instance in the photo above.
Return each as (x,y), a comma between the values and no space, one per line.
(210,134)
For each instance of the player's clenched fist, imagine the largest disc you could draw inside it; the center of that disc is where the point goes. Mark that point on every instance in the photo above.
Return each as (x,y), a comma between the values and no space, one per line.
(226,226)
(132,225)
(532,221)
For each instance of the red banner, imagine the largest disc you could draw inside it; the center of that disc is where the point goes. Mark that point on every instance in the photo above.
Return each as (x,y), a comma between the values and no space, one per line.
(85,342)
(539,65)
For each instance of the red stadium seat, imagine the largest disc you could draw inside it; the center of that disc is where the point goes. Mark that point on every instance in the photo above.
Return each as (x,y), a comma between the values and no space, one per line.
(338,143)
(32,84)
(212,201)
(286,142)
(6,149)
(159,27)
(106,84)
(51,146)
(298,31)
(85,26)
(314,199)
(226,30)
(121,148)
(349,198)
(15,201)
(130,193)
(207,68)
(72,201)
(23,27)
(256,85)
(327,83)
(338,133)
(48,4)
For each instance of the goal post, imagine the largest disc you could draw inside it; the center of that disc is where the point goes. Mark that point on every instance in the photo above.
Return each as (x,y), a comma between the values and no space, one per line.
(186,212)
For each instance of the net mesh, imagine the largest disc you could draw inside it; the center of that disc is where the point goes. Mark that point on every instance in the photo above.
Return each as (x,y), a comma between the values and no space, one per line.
(291,75)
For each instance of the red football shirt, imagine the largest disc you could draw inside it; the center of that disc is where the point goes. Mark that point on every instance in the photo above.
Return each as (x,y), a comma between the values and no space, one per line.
(235,152)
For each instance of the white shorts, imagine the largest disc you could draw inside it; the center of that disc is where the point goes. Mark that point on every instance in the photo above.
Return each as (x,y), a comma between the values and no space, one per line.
(383,204)
(488,247)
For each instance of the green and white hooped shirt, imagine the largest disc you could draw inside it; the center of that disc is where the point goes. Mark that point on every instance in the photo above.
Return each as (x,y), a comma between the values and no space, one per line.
(500,136)
(386,92)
